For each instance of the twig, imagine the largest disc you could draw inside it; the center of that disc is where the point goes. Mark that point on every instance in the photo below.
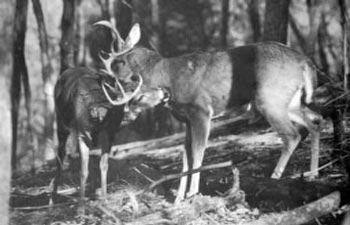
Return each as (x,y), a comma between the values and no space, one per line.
(108,213)
(30,208)
(336,98)
(211,219)
(176,176)
(307,174)
(143,175)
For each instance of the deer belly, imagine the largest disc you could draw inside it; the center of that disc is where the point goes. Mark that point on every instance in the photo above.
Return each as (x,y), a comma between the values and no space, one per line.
(225,97)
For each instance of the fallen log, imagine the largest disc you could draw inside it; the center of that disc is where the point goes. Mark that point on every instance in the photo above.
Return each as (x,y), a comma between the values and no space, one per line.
(297,216)
(302,214)
(165,143)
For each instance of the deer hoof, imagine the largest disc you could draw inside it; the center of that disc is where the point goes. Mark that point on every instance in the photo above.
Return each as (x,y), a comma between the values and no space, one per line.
(276,175)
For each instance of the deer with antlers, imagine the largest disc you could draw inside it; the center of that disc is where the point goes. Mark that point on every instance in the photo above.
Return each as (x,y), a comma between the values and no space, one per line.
(90,107)
(276,80)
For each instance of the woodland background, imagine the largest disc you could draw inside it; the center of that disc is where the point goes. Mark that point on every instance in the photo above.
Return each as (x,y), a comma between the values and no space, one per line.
(39,39)
(171,27)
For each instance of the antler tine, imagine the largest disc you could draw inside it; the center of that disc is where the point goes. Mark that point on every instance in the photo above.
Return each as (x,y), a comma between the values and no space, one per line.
(107,63)
(115,31)
(126,98)
(112,47)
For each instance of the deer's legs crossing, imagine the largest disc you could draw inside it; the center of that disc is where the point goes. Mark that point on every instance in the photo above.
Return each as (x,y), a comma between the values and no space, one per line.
(197,133)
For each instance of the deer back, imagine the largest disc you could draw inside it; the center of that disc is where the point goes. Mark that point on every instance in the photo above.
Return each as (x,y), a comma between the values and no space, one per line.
(229,78)
(77,93)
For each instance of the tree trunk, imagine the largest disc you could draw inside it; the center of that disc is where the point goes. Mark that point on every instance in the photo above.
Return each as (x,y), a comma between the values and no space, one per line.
(123,16)
(315,18)
(79,49)
(322,46)
(225,14)
(276,20)
(104,6)
(345,21)
(68,34)
(302,40)
(6,19)
(47,71)
(19,69)
(156,23)
(253,8)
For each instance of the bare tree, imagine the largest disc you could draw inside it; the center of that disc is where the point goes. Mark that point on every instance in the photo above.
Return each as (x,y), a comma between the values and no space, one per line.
(309,42)
(315,18)
(345,21)
(225,14)
(253,8)
(68,34)
(104,6)
(6,19)
(19,72)
(80,50)
(276,20)
(46,70)
(123,15)
(157,23)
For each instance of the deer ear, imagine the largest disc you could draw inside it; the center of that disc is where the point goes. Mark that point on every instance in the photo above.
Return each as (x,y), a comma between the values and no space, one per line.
(134,36)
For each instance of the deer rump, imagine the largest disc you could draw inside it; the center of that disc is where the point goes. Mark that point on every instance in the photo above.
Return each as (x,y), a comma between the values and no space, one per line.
(276,80)
(86,117)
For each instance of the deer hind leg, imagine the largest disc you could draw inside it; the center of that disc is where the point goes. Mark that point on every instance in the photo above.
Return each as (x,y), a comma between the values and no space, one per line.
(187,153)
(278,118)
(312,121)
(301,115)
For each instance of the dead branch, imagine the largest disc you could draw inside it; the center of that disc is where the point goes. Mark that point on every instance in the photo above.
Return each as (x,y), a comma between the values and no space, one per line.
(179,175)
(165,143)
(303,213)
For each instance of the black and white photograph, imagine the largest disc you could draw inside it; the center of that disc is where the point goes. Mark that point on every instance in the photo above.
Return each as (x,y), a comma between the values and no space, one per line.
(175,112)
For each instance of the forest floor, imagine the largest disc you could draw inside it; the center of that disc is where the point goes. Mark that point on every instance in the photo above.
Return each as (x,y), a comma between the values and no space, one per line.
(254,151)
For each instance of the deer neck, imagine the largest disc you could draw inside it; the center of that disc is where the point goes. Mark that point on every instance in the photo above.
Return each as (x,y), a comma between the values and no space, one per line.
(150,65)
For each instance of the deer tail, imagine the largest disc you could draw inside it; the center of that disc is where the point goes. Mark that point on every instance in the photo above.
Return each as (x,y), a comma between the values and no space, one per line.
(309,75)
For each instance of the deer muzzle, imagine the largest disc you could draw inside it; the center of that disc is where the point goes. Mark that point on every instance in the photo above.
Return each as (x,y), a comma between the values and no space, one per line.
(126,96)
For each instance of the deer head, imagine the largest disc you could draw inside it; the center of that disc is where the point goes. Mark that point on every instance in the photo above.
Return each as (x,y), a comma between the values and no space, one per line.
(124,46)
(117,57)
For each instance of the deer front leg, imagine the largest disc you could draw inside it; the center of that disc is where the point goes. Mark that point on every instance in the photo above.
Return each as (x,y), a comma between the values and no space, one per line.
(183,181)
(197,132)
(84,171)
(62,138)
(200,129)
(105,139)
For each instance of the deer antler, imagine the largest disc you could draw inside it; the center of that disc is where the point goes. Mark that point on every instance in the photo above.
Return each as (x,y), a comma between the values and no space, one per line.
(125,97)
(107,63)
(123,47)
(115,33)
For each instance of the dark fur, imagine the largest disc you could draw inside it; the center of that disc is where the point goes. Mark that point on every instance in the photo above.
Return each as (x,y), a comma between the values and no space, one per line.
(84,113)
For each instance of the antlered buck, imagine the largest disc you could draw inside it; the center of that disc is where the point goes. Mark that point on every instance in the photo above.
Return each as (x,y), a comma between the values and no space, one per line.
(276,80)
(88,114)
